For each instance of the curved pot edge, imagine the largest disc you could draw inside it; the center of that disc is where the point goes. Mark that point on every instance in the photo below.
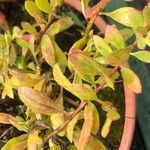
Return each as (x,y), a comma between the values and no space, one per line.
(130,103)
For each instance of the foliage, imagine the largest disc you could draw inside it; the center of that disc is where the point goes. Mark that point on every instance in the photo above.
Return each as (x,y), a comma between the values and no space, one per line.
(91,64)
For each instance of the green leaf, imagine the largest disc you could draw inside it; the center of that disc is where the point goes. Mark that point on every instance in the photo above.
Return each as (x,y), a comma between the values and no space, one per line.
(86,128)
(142,55)
(84,4)
(33,9)
(28,27)
(44,5)
(114,37)
(53,29)
(146,14)
(81,91)
(17,143)
(131,80)
(34,142)
(60,25)
(38,101)
(47,49)
(75,18)
(140,41)
(118,57)
(22,43)
(70,127)
(101,45)
(126,33)
(95,144)
(127,16)
(80,43)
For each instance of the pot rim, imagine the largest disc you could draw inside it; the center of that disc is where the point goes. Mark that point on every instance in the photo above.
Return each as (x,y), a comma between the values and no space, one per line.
(130,103)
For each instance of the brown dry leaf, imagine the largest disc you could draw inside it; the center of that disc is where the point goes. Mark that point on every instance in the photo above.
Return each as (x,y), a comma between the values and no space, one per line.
(87,127)
(4,118)
(38,101)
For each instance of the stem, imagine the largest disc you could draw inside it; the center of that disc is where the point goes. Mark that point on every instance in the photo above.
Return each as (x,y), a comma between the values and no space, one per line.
(62,127)
(101,85)
(96,9)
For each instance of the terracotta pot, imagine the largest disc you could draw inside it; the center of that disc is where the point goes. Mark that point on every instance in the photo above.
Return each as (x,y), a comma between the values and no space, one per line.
(130,104)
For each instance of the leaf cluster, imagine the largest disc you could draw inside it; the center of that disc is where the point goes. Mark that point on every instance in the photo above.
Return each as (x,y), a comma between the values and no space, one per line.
(91,64)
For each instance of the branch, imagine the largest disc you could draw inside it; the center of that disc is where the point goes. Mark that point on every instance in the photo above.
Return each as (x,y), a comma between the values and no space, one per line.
(101,85)
(95,12)
(63,126)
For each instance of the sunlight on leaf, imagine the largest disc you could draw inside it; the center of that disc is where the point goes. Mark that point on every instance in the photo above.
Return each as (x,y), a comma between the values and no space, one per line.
(17,143)
(44,5)
(131,80)
(86,128)
(142,55)
(127,16)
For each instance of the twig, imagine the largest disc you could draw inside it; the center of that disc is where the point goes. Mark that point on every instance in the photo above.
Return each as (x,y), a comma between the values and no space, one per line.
(101,85)
(62,127)
(100,6)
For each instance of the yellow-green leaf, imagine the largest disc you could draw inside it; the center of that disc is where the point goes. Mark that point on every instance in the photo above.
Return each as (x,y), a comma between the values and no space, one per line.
(32,9)
(38,101)
(47,49)
(44,5)
(20,78)
(96,120)
(80,90)
(127,16)
(17,143)
(118,57)
(83,64)
(87,127)
(63,23)
(70,127)
(142,55)
(34,142)
(60,57)
(114,37)
(39,85)
(28,27)
(146,14)
(95,144)
(7,89)
(131,80)
(101,45)
(58,119)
